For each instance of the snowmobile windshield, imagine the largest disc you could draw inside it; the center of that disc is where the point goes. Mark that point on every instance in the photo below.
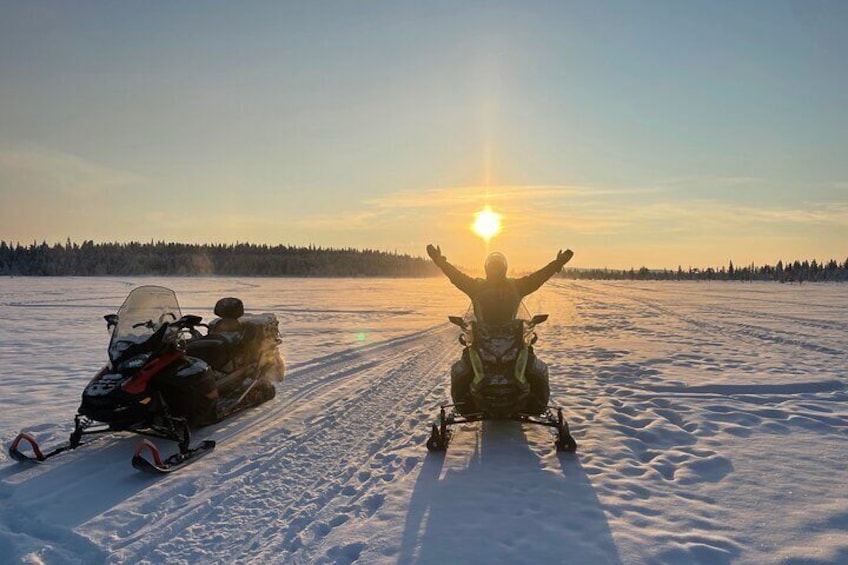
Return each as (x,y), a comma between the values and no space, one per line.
(522,314)
(144,312)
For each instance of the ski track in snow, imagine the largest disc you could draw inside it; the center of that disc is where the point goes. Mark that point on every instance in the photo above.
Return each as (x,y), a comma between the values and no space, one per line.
(340,424)
(711,419)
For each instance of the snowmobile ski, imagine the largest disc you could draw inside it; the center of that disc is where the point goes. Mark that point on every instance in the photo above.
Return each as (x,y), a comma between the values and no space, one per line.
(440,432)
(38,456)
(160,466)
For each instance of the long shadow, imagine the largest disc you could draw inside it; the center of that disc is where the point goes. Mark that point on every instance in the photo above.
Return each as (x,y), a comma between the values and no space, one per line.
(74,488)
(79,485)
(493,499)
(42,504)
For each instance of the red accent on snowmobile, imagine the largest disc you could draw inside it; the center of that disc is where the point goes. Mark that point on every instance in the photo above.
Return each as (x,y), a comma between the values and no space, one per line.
(18,456)
(146,444)
(172,463)
(138,383)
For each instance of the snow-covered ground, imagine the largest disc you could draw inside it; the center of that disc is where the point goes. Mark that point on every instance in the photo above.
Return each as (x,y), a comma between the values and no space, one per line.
(712,423)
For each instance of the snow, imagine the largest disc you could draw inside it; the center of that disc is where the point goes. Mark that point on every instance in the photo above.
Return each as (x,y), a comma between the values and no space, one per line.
(711,419)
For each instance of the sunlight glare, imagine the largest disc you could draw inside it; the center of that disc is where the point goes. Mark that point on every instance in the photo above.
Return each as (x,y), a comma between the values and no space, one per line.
(487,223)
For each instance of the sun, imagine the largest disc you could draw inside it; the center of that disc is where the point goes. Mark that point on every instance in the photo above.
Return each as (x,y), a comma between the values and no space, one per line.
(487,224)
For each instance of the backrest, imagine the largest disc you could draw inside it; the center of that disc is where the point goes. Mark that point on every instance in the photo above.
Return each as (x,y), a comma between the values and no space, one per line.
(230,307)
(229,311)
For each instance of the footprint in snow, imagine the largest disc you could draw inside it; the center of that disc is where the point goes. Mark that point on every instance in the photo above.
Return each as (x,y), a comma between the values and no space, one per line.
(371,504)
(344,554)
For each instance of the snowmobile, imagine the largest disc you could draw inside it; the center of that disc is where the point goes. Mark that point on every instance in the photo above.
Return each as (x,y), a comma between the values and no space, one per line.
(501,385)
(164,377)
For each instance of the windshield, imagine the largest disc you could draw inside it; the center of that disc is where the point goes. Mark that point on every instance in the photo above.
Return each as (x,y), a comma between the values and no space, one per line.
(142,313)
(523,313)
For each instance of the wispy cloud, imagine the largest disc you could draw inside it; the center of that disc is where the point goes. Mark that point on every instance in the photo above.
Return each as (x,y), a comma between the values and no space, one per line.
(575,209)
(452,209)
(480,195)
(62,173)
(346,221)
(714,180)
(523,206)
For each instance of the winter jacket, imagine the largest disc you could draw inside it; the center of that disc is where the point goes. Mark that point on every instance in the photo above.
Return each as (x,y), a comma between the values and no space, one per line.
(496,300)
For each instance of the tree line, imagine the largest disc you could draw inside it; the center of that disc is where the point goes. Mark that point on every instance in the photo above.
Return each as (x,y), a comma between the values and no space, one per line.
(248,259)
(240,259)
(789,272)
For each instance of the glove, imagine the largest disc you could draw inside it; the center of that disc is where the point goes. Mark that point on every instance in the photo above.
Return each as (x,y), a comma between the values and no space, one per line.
(564,257)
(435,254)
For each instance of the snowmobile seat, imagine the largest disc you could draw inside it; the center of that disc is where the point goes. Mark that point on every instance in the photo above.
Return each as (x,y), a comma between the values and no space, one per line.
(214,349)
(224,326)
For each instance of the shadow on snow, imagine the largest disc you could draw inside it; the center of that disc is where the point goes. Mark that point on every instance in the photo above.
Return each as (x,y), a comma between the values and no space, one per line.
(511,499)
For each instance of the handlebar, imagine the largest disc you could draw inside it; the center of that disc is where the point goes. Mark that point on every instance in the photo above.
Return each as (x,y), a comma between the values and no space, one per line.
(188,321)
(535,321)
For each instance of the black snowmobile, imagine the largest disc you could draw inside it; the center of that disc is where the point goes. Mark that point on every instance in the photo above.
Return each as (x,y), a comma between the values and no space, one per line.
(500,385)
(164,377)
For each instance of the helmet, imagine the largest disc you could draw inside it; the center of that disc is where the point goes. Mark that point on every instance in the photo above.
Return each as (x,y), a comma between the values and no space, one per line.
(495,265)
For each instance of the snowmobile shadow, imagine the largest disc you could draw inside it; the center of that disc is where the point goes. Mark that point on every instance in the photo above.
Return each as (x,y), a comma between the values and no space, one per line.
(501,494)
(77,486)
(80,485)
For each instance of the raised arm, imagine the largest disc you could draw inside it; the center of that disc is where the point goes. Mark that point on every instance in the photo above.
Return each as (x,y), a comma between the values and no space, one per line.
(531,283)
(459,279)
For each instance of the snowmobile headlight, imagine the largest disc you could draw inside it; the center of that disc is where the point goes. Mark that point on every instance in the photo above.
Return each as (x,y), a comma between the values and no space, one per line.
(509,355)
(487,356)
(135,362)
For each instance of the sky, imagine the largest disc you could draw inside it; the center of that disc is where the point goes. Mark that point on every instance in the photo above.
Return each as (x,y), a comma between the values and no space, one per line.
(657,134)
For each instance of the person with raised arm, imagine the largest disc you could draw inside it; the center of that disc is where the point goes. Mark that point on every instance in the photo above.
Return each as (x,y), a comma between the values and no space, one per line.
(496,300)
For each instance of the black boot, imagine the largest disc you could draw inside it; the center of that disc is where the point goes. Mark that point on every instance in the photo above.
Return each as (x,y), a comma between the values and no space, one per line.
(462,373)
(540,388)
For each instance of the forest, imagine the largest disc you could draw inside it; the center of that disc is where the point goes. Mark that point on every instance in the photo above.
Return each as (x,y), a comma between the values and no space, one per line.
(180,259)
(248,259)
(794,271)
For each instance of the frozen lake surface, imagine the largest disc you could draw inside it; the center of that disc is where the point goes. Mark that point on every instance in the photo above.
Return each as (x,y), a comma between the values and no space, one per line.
(711,417)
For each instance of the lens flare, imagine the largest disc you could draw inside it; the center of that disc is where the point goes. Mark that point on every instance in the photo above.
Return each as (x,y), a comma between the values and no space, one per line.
(487,224)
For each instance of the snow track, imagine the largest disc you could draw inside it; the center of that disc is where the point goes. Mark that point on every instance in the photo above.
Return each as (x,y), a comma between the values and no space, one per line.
(711,419)
(310,462)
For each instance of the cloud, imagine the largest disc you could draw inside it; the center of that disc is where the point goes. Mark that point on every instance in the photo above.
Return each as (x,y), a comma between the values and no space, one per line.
(523,206)
(569,209)
(726,215)
(715,180)
(607,226)
(464,196)
(24,171)
(478,196)
(347,221)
